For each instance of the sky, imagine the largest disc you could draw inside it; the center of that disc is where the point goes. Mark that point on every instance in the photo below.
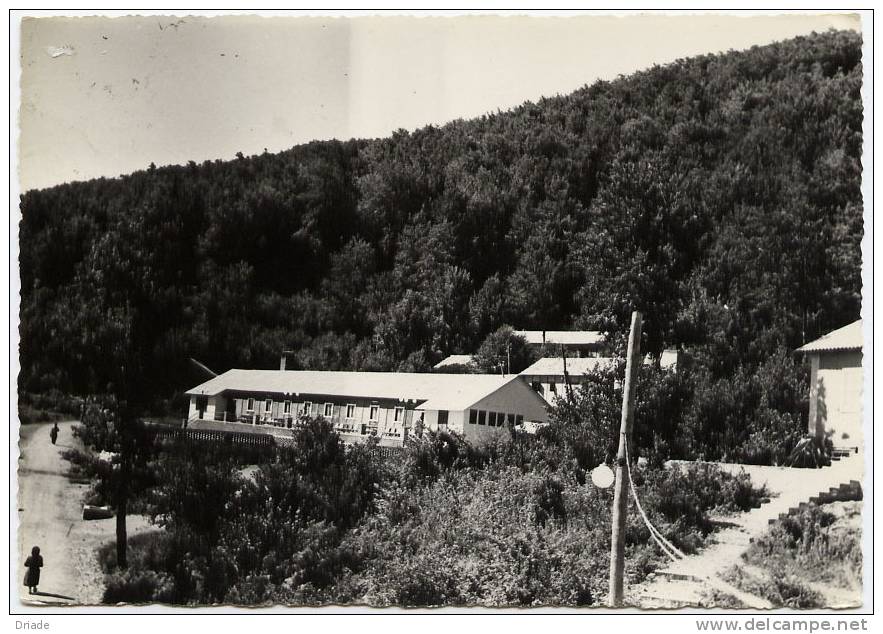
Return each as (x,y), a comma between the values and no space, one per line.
(108,96)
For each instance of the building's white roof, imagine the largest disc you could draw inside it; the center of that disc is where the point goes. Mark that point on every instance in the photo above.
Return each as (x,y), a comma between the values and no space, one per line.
(446,391)
(554,366)
(566,337)
(455,359)
(849,337)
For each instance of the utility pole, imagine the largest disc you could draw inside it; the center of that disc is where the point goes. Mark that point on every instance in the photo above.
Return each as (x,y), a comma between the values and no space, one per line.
(568,389)
(620,496)
(508,357)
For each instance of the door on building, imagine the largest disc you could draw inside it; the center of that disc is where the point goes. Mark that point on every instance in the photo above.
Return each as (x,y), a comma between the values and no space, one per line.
(443,420)
(201,404)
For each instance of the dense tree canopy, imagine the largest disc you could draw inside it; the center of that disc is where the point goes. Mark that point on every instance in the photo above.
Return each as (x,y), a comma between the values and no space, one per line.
(718,194)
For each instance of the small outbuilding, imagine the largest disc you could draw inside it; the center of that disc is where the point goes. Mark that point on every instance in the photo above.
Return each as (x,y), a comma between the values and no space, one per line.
(549,376)
(835,389)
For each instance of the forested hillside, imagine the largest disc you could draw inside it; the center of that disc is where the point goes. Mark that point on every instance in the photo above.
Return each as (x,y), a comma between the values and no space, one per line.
(718,194)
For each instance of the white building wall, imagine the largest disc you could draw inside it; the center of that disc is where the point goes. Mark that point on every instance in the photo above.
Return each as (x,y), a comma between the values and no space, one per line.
(836,397)
(456,421)
(515,398)
(209,413)
(430,420)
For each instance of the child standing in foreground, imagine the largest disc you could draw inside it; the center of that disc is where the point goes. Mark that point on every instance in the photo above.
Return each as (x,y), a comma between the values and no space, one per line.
(33,564)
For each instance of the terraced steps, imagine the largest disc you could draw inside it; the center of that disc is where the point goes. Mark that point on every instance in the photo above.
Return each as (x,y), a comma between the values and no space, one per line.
(846,492)
(791,490)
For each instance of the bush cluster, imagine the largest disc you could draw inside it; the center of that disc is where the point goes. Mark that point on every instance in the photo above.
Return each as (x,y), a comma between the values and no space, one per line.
(440,523)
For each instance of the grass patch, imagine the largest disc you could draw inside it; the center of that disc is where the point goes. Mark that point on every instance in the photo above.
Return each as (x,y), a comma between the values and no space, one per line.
(783,589)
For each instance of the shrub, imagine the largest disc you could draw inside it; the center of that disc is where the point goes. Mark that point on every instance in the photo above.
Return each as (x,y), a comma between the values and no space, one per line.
(230,539)
(548,500)
(429,456)
(788,591)
(47,407)
(811,453)
(138,586)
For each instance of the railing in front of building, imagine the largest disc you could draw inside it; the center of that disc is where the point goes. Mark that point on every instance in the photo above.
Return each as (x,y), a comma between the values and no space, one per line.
(291,422)
(254,418)
(253,422)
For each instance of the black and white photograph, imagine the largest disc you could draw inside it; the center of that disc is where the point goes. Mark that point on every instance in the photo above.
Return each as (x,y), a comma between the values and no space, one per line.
(441,312)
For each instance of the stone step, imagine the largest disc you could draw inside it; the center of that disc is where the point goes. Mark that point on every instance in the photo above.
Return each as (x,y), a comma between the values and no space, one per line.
(847,491)
(677,575)
(675,594)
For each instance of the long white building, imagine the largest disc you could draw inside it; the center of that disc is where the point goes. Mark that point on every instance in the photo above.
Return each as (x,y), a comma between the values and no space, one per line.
(388,405)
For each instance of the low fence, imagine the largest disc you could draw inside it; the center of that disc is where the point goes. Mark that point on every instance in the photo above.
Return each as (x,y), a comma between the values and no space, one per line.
(212,435)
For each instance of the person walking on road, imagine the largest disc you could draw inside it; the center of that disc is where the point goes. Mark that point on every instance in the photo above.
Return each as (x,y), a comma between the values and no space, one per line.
(33,564)
(53,434)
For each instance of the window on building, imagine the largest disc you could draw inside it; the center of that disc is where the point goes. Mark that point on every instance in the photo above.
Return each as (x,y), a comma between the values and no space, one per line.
(519,419)
(398,415)
(552,388)
(329,410)
(351,411)
(286,407)
(481,416)
(510,420)
(268,405)
(492,419)
(473,417)
(372,413)
(249,405)
(537,387)
(442,418)
(307,407)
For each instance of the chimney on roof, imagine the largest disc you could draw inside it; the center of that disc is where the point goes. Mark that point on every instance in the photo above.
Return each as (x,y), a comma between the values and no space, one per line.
(284,359)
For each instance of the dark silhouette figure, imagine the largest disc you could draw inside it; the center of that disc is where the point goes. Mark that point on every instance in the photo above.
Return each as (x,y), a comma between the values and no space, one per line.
(53,434)
(33,564)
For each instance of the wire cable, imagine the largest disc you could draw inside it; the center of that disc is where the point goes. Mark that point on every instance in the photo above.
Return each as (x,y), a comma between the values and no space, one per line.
(666,546)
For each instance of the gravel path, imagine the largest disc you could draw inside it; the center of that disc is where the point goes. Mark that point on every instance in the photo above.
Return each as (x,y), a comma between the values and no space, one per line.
(50,509)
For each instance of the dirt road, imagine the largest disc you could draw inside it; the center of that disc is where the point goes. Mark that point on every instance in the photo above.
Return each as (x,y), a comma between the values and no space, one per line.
(50,510)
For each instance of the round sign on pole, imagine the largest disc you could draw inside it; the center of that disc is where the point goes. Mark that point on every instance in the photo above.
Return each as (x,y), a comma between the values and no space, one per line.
(602,476)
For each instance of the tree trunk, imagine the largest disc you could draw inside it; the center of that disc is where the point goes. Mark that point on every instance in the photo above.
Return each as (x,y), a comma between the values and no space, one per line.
(122,561)
(125,477)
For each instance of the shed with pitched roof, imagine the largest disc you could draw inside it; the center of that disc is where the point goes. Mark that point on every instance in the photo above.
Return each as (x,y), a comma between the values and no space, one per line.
(835,391)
